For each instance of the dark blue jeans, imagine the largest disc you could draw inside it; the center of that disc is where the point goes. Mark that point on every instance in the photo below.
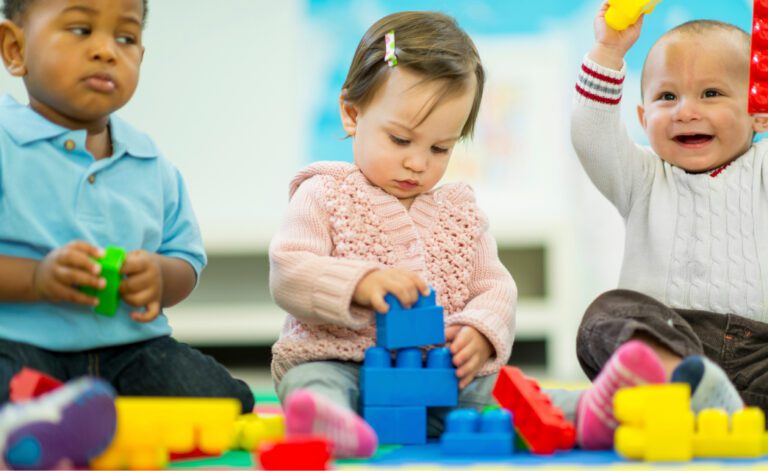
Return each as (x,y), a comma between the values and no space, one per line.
(156,367)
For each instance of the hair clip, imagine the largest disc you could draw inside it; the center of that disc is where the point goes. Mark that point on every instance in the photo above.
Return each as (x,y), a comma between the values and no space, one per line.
(389,48)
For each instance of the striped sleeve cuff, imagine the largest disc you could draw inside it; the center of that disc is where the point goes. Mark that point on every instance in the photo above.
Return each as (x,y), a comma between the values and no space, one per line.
(600,84)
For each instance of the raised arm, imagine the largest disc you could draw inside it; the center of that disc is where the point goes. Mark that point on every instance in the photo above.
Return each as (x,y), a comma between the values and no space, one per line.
(617,166)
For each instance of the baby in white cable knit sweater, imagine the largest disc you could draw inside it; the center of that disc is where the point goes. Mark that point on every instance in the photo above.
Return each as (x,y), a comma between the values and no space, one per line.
(693,284)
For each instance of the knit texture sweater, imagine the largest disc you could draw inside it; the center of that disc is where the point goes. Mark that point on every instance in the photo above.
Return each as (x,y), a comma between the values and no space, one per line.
(339,228)
(693,241)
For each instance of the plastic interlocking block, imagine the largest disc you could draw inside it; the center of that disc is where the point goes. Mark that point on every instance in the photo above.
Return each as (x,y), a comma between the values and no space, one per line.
(714,438)
(408,383)
(758,69)
(542,425)
(656,422)
(298,452)
(29,383)
(419,325)
(149,429)
(109,296)
(469,433)
(405,425)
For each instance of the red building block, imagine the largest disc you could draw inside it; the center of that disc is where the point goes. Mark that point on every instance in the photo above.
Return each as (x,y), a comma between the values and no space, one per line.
(295,453)
(29,383)
(542,425)
(758,69)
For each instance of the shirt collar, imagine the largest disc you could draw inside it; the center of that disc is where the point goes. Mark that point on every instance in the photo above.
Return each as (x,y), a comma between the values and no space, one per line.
(25,125)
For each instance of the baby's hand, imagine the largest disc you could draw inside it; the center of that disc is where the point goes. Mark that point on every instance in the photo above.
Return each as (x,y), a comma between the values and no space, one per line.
(58,275)
(403,284)
(610,45)
(470,350)
(142,286)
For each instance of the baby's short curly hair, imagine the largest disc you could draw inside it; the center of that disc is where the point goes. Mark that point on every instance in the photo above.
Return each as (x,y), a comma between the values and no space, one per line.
(14,9)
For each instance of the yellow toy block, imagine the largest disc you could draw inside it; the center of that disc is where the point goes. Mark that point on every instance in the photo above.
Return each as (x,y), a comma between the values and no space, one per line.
(656,422)
(713,439)
(622,14)
(631,406)
(149,428)
(252,429)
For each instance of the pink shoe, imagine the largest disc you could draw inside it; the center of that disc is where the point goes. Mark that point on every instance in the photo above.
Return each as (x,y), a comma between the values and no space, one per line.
(307,413)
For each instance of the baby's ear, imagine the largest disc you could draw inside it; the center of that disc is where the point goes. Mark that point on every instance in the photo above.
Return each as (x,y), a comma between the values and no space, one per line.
(641,115)
(12,48)
(348,112)
(760,123)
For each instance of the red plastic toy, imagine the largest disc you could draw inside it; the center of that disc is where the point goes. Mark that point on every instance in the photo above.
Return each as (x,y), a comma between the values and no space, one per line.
(29,383)
(296,453)
(542,425)
(758,68)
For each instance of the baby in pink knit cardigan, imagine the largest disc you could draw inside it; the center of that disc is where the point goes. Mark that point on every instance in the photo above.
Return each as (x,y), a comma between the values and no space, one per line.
(355,232)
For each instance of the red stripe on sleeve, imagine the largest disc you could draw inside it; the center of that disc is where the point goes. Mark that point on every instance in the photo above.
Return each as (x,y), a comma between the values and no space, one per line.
(600,76)
(598,98)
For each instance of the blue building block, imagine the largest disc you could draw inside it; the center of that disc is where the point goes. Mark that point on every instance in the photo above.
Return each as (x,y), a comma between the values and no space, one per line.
(469,433)
(398,425)
(420,325)
(408,383)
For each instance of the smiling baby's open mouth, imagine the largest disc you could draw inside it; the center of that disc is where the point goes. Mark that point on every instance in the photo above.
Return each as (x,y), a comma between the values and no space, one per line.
(693,138)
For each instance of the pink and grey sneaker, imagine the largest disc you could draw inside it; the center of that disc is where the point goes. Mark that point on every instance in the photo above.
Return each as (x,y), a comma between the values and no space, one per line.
(307,413)
(66,427)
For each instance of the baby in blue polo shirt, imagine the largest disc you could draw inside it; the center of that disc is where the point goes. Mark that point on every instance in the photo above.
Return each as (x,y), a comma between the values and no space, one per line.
(75,178)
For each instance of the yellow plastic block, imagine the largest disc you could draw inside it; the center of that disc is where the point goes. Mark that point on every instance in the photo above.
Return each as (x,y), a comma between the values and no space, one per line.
(252,429)
(631,406)
(714,439)
(149,428)
(656,422)
(622,14)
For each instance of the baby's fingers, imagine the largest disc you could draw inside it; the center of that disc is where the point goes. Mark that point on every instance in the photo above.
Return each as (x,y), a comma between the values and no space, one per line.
(69,294)
(378,303)
(68,276)
(78,260)
(149,314)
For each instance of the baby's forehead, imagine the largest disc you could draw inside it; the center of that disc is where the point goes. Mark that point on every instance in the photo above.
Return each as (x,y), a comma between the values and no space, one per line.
(711,41)
(709,48)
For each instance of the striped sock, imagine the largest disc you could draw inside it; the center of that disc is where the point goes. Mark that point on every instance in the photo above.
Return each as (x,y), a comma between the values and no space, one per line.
(307,413)
(710,386)
(634,363)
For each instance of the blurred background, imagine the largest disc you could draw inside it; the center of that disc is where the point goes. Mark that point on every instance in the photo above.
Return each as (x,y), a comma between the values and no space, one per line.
(240,94)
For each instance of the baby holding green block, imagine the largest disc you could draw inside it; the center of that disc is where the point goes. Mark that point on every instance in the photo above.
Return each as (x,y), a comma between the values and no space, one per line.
(109,296)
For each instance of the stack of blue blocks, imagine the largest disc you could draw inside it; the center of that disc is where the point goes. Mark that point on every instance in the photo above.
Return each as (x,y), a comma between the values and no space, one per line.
(395,399)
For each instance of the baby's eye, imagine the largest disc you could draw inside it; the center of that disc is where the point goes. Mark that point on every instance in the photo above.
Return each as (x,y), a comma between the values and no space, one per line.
(439,150)
(399,141)
(80,30)
(126,39)
(711,93)
(667,96)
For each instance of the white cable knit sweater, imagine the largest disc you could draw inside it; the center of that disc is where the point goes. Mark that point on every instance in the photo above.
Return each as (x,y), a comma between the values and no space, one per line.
(693,241)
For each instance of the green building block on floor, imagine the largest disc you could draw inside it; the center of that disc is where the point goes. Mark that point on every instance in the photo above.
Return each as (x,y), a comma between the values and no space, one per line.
(109,297)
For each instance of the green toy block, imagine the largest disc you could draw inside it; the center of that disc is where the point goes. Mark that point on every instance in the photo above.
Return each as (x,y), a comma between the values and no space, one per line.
(109,297)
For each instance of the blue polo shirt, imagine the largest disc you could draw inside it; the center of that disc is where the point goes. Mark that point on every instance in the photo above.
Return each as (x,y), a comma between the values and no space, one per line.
(52,191)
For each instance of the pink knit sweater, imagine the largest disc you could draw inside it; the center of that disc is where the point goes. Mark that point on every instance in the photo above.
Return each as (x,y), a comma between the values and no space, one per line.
(339,228)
